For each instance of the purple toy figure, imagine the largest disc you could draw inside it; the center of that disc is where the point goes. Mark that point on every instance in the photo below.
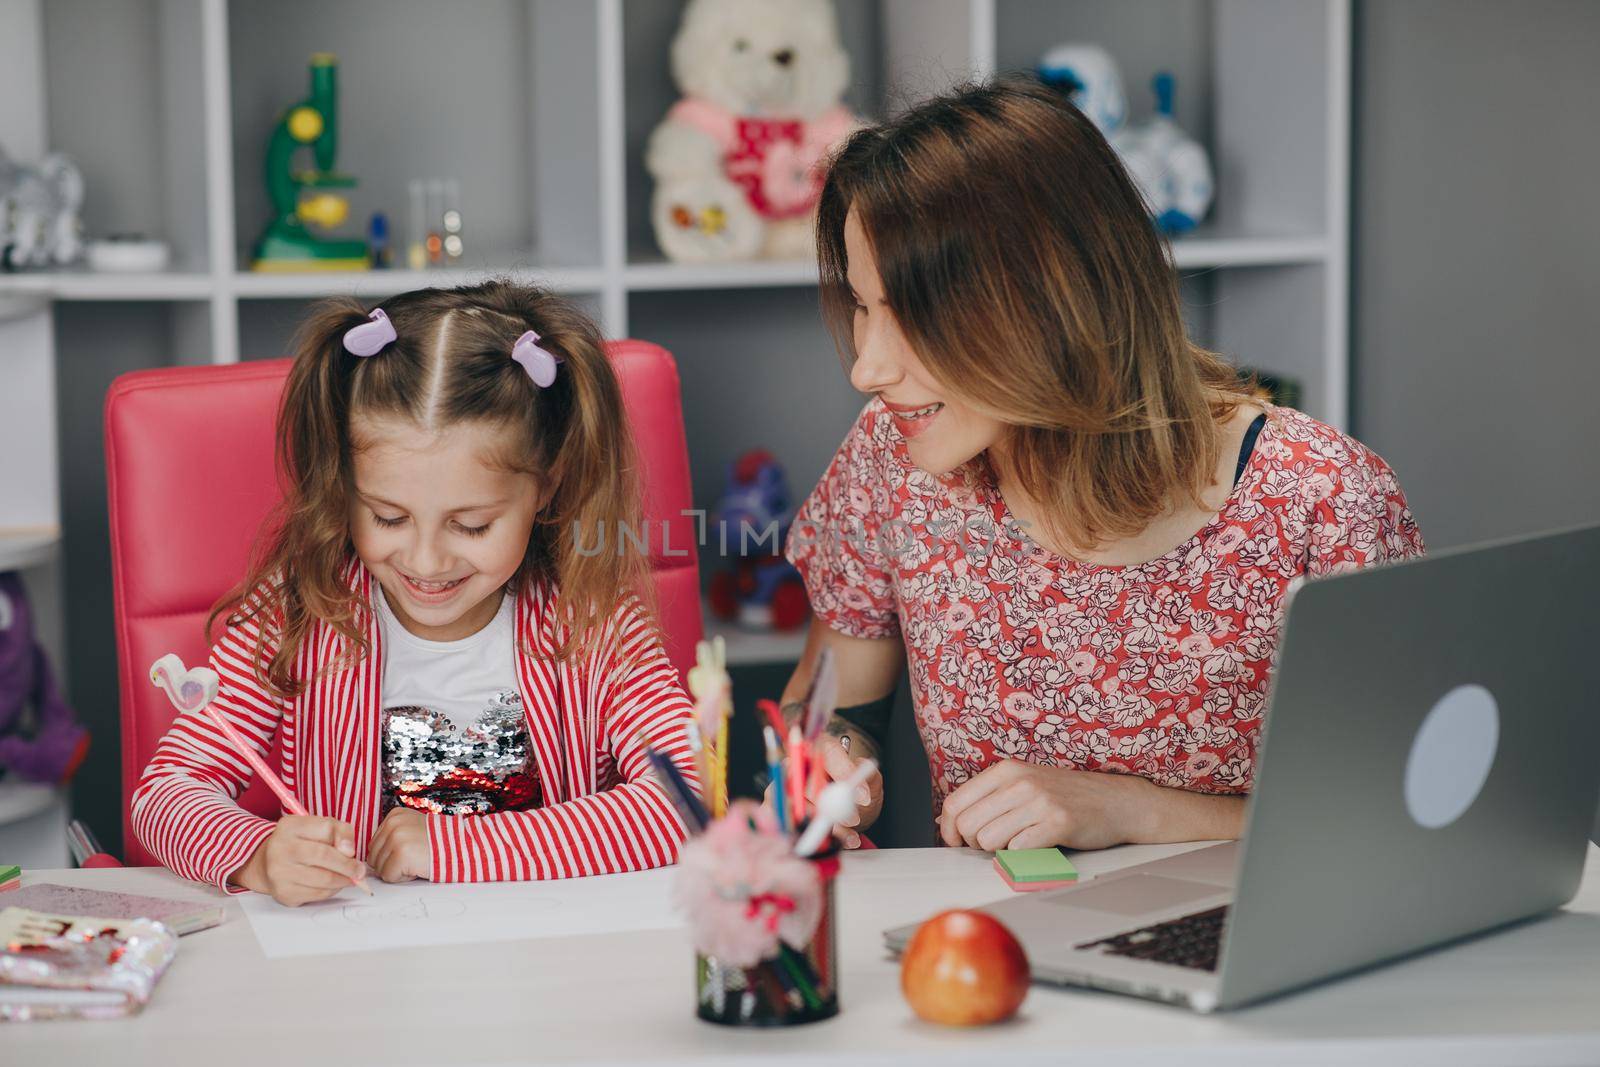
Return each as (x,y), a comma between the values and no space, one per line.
(762,591)
(40,741)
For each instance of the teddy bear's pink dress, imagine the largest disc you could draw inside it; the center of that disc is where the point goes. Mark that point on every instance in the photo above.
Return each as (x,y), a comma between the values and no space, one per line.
(776,161)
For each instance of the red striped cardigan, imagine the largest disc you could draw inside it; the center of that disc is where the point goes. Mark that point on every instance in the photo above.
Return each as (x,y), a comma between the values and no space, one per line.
(589,719)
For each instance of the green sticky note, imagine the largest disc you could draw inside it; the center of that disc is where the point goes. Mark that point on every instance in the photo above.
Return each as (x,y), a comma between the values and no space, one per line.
(1036,865)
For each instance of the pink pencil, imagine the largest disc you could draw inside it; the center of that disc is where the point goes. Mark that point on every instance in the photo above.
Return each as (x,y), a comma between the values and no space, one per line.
(291,803)
(798,758)
(194,690)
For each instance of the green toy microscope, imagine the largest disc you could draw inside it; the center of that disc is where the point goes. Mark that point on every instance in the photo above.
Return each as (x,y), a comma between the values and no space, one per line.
(302,198)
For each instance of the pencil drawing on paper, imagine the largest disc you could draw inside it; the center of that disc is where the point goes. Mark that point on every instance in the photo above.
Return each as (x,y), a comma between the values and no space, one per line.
(407,910)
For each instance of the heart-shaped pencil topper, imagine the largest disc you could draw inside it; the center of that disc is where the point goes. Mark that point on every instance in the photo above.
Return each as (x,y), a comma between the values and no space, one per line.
(189,689)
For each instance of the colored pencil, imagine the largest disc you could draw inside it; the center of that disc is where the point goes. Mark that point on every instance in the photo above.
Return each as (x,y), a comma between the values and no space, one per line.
(774,715)
(697,747)
(290,802)
(799,757)
(721,797)
(823,697)
(678,791)
(775,768)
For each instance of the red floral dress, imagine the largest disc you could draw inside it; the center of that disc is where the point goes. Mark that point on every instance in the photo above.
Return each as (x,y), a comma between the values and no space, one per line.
(1158,669)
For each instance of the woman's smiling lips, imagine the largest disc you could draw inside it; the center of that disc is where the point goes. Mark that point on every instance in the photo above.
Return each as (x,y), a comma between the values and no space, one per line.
(913,419)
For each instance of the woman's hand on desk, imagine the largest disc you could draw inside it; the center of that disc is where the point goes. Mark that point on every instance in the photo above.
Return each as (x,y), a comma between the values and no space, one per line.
(399,851)
(306,858)
(1022,805)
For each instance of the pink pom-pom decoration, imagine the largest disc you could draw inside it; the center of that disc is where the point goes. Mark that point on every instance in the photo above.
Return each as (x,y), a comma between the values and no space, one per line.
(744,890)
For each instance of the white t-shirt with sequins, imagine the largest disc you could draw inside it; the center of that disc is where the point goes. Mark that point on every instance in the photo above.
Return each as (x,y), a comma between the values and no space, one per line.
(460,679)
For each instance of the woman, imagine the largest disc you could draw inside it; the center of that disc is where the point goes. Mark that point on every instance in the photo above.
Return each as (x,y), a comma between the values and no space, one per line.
(1076,526)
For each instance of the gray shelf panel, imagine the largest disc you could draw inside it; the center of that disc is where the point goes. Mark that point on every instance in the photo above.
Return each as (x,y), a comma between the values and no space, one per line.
(498,94)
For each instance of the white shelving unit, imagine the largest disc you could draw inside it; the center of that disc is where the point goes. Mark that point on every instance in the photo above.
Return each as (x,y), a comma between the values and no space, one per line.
(541,108)
(748,648)
(33,825)
(22,548)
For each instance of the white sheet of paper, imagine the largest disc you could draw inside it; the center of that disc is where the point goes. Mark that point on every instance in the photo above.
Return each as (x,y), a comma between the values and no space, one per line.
(421,913)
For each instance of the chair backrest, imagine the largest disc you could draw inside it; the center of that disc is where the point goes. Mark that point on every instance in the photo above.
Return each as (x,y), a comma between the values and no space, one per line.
(191,477)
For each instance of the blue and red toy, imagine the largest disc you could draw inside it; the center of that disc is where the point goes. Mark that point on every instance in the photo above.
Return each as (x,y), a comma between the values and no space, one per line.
(761,590)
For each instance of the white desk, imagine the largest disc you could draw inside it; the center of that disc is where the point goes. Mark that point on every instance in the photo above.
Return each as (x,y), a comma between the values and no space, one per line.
(1530,995)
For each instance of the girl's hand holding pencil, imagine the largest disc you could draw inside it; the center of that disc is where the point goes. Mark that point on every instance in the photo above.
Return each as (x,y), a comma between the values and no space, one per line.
(307,858)
(309,847)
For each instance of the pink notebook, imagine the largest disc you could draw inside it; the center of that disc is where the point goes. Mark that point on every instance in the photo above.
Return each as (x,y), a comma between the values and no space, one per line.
(66,967)
(180,916)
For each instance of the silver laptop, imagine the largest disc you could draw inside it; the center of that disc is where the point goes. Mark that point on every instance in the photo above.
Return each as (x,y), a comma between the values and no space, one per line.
(1430,771)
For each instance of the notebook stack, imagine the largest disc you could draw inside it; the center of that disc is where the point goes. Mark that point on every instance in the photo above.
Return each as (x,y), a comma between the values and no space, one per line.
(179,916)
(66,966)
(1029,870)
(67,952)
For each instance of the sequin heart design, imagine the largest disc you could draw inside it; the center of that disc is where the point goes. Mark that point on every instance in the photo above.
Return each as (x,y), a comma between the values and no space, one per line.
(188,689)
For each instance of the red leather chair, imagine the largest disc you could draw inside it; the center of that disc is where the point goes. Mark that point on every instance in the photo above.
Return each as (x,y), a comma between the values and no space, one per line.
(190,471)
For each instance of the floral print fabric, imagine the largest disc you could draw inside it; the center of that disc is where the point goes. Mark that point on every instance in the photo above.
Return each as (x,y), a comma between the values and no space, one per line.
(1158,669)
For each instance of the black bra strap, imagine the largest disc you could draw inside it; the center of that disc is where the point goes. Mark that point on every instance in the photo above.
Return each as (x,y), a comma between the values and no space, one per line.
(1249,445)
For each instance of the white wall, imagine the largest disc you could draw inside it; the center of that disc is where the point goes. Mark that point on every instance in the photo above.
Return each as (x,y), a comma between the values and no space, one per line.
(1477,220)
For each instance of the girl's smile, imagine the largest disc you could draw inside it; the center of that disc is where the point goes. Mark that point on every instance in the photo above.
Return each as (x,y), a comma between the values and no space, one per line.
(432,593)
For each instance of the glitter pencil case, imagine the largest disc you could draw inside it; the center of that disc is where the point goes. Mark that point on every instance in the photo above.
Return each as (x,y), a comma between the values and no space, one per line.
(60,966)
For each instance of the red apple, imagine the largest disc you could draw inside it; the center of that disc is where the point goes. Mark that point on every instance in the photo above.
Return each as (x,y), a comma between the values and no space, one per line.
(964,968)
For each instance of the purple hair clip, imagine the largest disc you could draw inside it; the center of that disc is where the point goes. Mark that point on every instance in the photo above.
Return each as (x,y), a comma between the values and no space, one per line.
(539,362)
(369,338)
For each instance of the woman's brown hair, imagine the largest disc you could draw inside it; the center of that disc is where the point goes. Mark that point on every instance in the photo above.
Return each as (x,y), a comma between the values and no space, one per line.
(450,363)
(1022,266)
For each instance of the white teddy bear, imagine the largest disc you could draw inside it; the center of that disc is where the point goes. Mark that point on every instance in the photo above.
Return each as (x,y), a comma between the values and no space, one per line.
(738,160)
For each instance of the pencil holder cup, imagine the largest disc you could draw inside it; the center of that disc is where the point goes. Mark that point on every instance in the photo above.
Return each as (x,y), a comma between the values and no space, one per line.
(794,986)
(761,919)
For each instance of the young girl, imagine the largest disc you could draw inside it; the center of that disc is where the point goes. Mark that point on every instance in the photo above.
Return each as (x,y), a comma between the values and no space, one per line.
(462,694)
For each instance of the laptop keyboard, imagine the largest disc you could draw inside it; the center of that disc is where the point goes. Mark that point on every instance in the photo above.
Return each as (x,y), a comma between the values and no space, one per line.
(1190,941)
